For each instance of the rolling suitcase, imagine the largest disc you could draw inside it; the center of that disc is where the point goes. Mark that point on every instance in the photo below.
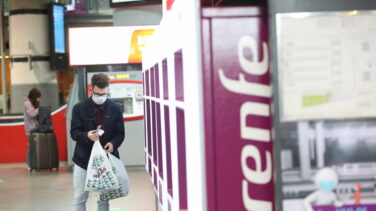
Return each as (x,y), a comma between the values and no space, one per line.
(43,151)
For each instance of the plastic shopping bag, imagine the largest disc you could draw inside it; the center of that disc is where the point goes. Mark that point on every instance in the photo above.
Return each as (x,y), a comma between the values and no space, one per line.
(122,176)
(100,176)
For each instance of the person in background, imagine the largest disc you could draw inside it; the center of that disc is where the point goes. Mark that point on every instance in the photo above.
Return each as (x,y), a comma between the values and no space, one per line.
(31,110)
(326,181)
(96,112)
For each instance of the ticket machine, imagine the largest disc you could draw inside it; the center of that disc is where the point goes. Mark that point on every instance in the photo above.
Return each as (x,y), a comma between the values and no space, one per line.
(126,89)
(119,56)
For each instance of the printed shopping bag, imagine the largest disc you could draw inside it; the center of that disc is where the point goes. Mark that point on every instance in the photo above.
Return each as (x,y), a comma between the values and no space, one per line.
(100,176)
(122,176)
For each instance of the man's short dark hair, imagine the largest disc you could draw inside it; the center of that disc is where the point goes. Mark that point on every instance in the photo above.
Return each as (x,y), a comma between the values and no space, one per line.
(100,80)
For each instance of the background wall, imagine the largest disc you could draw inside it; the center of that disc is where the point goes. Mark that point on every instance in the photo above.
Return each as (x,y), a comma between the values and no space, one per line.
(29,37)
(143,15)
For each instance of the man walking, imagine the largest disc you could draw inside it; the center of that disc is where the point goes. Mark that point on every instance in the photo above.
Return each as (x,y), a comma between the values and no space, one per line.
(89,115)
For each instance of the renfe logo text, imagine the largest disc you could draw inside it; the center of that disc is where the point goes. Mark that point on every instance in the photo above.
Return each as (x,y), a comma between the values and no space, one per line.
(261,175)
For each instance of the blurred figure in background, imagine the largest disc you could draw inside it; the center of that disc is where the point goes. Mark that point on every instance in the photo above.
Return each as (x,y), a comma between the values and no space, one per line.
(326,181)
(358,193)
(31,111)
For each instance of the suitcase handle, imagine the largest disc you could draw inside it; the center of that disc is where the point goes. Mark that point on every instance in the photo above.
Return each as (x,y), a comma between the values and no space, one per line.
(37,152)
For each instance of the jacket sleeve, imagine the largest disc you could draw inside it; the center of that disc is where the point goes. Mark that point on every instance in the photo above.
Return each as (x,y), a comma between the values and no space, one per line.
(119,130)
(77,129)
(30,110)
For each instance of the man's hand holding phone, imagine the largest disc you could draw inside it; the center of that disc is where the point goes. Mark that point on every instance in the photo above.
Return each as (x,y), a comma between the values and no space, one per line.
(94,135)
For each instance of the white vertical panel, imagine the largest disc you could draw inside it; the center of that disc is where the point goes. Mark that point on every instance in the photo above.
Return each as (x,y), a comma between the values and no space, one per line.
(193,93)
(179,29)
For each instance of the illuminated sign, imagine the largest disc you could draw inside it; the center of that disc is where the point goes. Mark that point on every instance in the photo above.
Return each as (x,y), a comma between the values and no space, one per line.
(108,45)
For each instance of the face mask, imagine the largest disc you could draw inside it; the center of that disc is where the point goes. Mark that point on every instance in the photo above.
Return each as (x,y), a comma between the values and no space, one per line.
(99,100)
(327,185)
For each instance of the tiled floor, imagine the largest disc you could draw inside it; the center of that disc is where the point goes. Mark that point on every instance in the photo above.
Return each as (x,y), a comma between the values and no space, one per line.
(52,191)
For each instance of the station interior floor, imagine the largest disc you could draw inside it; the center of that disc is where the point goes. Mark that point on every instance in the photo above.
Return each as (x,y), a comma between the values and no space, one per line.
(53,191)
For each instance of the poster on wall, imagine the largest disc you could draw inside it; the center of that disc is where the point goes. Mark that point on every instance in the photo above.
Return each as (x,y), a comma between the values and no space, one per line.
(327,123)
(327,65)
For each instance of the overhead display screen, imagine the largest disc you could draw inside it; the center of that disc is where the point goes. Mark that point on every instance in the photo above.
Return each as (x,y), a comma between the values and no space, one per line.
(58,20)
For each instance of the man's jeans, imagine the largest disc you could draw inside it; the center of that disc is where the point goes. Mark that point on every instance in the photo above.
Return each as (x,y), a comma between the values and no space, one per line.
(80,195)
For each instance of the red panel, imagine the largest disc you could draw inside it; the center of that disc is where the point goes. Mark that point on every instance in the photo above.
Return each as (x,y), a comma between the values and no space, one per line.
(133,118)
(13,142)
(169,4)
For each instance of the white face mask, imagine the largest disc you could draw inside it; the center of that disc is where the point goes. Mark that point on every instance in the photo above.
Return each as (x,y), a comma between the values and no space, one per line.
(99,100)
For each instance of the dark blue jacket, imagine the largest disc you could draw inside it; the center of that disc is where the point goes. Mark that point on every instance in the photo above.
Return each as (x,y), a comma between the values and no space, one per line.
(83,120)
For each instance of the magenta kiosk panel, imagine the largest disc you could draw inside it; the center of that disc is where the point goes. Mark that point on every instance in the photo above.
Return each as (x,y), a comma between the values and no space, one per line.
(237,105)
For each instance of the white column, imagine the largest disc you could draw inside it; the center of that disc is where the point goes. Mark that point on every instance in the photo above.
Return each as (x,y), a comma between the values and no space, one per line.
(29,37)
(303,137)
(320,144)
